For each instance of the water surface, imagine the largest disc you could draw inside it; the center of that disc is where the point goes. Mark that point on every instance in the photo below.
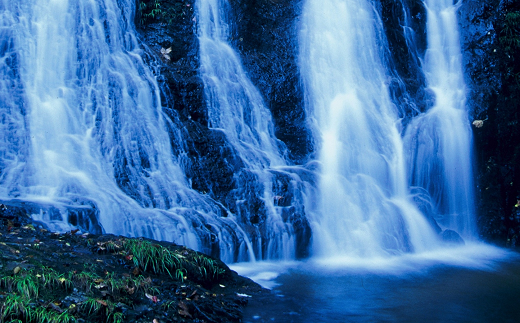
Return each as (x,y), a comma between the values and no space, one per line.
(478,284)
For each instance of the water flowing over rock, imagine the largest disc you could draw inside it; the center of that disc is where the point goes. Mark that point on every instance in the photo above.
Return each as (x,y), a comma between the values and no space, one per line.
(236,108)
(244,129)
(440,140)
(88,128)
(363,207)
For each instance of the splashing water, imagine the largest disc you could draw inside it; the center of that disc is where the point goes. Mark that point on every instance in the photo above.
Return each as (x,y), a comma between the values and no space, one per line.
(83,127)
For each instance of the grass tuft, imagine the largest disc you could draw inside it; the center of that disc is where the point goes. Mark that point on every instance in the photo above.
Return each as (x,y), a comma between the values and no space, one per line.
(153,257)
(208,269)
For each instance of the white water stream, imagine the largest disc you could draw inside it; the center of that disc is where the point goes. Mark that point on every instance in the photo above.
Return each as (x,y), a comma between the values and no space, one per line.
(364,207)
(82,125)
(237,108)
(440,141)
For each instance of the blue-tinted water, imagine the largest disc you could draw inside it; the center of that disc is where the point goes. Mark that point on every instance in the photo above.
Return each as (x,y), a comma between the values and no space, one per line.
(402,290)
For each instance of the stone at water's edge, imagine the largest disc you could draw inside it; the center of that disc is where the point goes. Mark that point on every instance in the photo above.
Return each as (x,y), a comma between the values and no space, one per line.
(83,217)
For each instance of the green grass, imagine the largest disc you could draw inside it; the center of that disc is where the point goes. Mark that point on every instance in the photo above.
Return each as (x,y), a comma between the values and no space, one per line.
(24,283)
(92,306)
(84,279)
(30,294)
(153,257)
(208,269)
(116,317)
(15,306)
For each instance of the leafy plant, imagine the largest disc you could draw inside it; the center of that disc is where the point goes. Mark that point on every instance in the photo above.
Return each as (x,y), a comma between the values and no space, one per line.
(116,317)
(24,283)
(150,10)
(85,279)
(43,315)
(92,306)
(18,309)
(52,278)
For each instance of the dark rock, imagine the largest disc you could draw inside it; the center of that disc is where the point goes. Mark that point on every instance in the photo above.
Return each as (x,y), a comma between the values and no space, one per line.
(266,35)
(84,217)
(490,39)
(212,164)
(89,274)
(404,22)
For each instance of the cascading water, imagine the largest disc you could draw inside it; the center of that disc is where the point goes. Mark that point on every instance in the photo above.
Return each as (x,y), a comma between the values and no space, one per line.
(83,129)
(440,140)
(236,107)
(82,126)
(363,207)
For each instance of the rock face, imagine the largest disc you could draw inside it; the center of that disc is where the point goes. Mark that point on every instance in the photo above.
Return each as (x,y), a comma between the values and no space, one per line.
(170,39)
(404,22)
(491,43)
(211,162)
(265,33)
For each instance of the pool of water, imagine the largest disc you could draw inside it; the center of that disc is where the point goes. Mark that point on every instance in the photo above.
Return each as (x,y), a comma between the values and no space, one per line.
(472,284)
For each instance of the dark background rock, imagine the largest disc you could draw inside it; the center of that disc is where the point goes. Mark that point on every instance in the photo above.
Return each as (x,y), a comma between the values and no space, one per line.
(211,162)
(404,22)
(491,43)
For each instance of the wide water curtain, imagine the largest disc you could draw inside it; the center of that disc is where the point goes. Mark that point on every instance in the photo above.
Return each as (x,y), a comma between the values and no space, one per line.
(440,140)
(236,107)
(363,208)
(82,125)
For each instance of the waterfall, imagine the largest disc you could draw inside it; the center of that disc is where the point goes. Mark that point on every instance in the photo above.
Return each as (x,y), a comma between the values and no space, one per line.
(440,140)
(82,127)
(236,108)
(85,138)
(363,206)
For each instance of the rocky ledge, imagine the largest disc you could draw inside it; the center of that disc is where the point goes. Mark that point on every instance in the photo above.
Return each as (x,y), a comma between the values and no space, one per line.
(81,277)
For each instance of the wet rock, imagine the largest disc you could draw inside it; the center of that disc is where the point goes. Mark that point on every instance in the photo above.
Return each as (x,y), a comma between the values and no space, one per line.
(83,216)
(105,280)
(404,22)
(265,33)
(489,33)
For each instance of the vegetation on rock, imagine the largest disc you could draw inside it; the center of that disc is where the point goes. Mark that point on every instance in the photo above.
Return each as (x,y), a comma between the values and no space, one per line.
(165,10)
(74,277)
